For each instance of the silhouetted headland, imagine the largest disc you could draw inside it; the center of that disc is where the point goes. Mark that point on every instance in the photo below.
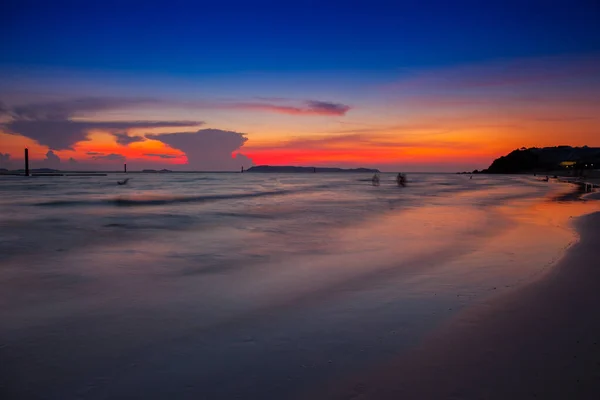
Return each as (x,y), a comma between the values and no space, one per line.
(534,159)
(270,168)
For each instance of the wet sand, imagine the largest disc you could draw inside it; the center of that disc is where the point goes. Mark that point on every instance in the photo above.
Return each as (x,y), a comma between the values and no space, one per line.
(541,341)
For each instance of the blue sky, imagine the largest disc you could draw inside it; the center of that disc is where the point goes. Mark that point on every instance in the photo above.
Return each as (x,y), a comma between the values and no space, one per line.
(192,38)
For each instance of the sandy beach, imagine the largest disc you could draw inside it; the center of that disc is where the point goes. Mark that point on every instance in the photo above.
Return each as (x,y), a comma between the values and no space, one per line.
(541,341)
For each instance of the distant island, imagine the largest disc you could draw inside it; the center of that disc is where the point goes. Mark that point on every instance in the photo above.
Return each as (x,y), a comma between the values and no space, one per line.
(271,168)
(546,159)
(153,171)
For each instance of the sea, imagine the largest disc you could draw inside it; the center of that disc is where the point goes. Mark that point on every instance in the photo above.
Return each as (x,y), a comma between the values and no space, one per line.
(251,286)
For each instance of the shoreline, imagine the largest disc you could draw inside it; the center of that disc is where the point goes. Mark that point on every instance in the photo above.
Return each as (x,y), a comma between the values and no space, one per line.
(541,340)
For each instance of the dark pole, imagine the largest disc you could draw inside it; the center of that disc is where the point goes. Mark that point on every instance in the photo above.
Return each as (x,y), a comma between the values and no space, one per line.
(26,161)
(125,167)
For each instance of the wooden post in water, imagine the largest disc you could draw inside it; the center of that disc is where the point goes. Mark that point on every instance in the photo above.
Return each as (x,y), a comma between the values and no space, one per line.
(125,168)
(242,171)
(26,161)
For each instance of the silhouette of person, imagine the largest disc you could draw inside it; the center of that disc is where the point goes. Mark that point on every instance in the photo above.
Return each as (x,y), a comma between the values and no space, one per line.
(401,179)
(375,180)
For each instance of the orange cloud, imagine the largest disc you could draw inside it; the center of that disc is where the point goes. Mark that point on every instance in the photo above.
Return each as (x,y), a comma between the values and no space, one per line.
(93,150)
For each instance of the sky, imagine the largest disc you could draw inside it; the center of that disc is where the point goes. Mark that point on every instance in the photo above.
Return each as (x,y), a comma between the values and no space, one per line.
(399,86)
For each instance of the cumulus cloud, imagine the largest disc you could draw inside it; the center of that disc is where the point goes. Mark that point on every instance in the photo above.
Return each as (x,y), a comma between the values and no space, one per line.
(51,160)
(57,135)
(62,135)
(52,124)
(208,149)
(124,139)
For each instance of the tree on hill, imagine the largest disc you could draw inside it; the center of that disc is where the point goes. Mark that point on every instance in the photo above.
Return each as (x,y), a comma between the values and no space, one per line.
(516,161)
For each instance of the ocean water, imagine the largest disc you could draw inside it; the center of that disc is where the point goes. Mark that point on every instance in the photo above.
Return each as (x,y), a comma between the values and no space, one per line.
(255,286)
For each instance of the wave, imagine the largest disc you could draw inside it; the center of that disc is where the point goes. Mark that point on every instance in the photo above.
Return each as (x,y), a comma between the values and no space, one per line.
(128,202)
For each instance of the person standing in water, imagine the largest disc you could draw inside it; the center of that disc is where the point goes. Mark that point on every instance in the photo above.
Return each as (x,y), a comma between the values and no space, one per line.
(401,179)
(375,180)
